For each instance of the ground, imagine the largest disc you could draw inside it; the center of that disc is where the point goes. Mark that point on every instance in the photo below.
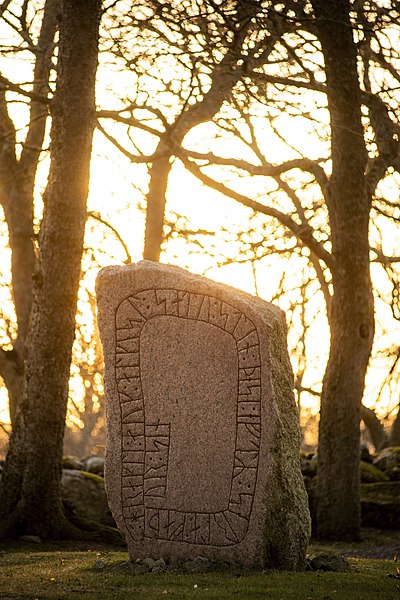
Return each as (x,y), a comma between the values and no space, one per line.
(87,570)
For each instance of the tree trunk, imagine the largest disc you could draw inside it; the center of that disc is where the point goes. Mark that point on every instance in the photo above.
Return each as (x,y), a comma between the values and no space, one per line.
(156,199)
(30,498)
(351,312)
(18,181)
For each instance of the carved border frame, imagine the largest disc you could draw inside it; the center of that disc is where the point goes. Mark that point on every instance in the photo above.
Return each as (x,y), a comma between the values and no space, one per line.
(144,445)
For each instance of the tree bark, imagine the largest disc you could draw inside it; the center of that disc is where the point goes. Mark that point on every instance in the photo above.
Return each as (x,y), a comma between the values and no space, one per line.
(30,498)
(351,313)
(156,200)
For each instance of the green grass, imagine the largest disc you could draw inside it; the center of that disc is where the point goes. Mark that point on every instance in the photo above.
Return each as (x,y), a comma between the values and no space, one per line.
(57,572)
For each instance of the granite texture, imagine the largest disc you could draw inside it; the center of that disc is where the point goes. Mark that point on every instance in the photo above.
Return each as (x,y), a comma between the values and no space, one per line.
(203,438)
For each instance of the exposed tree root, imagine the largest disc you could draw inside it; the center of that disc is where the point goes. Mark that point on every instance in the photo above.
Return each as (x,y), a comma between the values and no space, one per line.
(70,527)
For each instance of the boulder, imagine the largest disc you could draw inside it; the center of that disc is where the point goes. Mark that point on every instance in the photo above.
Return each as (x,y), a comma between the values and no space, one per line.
(388,460)
(330,562)
(84,493)
(72,462)
(94,464)
(371,474)
(380,504)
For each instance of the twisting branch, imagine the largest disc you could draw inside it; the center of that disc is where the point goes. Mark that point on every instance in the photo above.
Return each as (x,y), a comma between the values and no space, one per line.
(382,258)
(301,231)
(265,169)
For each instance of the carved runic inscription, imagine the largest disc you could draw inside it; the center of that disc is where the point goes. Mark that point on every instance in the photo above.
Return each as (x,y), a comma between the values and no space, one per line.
(155,504)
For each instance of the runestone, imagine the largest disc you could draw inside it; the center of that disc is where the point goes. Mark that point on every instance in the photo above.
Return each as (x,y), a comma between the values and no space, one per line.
(202,429)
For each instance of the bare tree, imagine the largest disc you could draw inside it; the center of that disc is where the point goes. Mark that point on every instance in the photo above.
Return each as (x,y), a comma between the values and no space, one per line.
(30,487)
(351,313)
(18,173)
(348,195)
(322,203)
(194,55)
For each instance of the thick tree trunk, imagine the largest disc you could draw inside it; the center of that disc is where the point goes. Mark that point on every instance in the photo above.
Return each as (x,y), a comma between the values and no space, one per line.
(338,513)
(30,488)
(351,312)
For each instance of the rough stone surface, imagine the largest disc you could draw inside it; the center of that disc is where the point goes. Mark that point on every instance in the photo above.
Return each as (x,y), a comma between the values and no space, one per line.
(73,463)
(94,464)
(150,563)
(380,504)
(330,562)
(85,493)
(203,440)
(388,460)
(200,564)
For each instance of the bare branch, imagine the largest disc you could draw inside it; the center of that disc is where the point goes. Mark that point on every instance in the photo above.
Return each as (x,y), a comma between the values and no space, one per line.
(301,388)
(301,231)
(39,110)
(382,258)
(4,6)
(375,427)
(134,158)
(115,115)
(289,82)
(6,84)
(265,169)
(322,281)
(97,217)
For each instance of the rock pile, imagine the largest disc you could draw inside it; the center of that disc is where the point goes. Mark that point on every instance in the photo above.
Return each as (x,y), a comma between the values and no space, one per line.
(380,486)
(82,488)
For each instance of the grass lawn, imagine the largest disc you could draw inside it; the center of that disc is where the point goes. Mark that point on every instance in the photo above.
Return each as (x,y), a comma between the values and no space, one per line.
(63,571)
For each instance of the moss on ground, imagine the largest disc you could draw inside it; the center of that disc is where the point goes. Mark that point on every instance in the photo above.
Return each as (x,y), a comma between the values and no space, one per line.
(381,492)
(371,474)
